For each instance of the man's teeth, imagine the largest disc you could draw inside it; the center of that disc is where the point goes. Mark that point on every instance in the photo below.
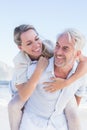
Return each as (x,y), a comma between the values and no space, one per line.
(59,57)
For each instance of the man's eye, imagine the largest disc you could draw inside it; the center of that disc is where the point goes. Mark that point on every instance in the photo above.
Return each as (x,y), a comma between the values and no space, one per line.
(65,48)
(29,43)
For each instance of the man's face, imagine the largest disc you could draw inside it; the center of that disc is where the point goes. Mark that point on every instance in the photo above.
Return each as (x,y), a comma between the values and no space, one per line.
(64,53)
(31,44)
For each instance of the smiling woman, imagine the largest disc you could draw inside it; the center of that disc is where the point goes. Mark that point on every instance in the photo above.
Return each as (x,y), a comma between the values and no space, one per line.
(32,49)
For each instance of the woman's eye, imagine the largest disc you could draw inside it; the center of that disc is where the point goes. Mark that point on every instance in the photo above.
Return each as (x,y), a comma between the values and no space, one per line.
(57,45)
(37,38)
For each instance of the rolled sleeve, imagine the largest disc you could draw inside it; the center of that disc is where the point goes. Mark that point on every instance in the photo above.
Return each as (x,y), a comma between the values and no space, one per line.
(81,91)
(21,62)
(21,74)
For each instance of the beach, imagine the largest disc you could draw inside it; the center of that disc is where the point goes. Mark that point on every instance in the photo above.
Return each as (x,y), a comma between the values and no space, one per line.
(4,123)
(5,96)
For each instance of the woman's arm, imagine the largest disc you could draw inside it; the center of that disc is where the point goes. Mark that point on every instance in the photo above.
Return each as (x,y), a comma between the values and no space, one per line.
(80,71)
(58,83)
(25,90)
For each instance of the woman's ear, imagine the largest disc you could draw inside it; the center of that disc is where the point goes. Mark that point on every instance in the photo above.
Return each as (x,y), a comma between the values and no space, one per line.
(20,47)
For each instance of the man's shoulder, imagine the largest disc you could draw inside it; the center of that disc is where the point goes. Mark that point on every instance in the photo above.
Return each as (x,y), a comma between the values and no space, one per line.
(21,57)
(51,64)
(51,60)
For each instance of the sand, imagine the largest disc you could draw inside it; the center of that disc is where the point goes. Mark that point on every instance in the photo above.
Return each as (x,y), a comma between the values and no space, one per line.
(4,123)
(83,117)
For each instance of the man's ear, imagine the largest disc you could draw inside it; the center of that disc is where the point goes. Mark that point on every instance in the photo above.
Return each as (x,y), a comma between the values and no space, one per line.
(78,53)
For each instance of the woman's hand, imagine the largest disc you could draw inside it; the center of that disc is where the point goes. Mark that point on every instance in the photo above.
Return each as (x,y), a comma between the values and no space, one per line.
(55,85)
(42,63)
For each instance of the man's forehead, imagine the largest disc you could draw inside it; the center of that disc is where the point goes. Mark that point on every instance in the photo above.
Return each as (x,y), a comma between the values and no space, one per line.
(65,39)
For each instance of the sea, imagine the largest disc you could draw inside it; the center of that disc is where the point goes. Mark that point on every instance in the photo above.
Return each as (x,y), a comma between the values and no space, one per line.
(5,94)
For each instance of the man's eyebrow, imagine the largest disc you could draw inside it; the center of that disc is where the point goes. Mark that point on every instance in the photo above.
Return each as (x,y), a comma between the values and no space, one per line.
(28,41)
(65,46)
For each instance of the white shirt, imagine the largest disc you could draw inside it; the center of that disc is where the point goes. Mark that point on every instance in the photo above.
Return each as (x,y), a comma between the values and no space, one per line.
(44,108)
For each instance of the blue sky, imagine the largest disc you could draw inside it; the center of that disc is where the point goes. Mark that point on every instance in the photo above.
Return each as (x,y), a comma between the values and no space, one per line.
(49,17)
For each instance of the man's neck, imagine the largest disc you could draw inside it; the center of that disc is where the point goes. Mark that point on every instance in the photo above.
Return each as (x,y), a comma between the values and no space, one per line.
(62,72)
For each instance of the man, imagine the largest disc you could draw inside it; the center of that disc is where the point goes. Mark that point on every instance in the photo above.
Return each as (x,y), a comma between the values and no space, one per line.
(44,110)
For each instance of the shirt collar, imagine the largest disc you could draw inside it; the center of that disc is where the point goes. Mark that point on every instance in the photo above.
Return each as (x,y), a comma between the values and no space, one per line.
(29,59)
(51,67)
(34,62)
(73,69)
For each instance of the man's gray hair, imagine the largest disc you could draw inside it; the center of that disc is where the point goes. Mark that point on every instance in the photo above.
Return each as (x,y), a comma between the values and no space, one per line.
(21,29)
(77,37)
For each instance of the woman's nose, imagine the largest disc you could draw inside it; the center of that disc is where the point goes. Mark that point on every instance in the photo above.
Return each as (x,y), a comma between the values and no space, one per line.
(36,44)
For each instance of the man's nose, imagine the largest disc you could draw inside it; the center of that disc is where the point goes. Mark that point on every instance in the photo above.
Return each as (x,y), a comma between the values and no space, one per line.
(59,51)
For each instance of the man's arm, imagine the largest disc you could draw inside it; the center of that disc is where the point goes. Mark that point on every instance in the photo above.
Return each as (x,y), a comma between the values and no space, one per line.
(80,71)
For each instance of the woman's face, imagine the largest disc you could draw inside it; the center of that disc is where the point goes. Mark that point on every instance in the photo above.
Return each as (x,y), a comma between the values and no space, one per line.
(31,44)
